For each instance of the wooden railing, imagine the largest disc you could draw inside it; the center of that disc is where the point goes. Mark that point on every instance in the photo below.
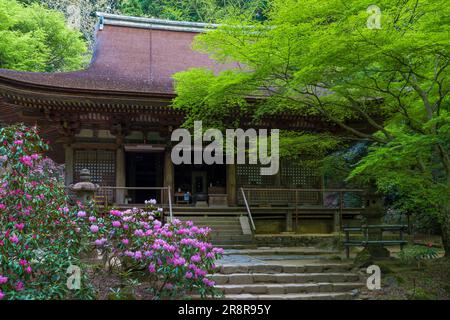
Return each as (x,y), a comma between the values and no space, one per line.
(329,198)
(296,199)
(165,196)
(365,241)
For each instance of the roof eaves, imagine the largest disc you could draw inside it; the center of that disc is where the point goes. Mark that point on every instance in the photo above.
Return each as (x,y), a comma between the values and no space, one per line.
(153,23)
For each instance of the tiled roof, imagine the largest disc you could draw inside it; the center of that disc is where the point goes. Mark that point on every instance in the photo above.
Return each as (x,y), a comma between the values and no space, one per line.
(132,54)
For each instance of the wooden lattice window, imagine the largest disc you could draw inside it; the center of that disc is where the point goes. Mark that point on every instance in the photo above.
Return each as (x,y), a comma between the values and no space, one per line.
(290,176)
(102,166)
(296,175)
(250,175)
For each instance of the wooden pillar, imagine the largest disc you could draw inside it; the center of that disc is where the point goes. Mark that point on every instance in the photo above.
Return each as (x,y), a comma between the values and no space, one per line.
(289,221)
(120,172)
(169,174)
(231,185)
(337,221)
(69,163)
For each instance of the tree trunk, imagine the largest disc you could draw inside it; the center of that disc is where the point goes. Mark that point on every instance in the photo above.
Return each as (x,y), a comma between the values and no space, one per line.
(445,229)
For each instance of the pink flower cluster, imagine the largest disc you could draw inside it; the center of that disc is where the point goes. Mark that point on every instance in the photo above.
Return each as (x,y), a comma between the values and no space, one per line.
(177,253)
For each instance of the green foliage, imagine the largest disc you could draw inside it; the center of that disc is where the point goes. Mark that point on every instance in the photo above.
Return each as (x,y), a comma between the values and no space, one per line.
(389,87)
(36,39)
(417,253)
(420,294)
(38,237)
(194,10)
(84,16)
(306,146)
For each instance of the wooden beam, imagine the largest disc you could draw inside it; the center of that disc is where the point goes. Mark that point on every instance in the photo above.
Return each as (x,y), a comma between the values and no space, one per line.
(231,185)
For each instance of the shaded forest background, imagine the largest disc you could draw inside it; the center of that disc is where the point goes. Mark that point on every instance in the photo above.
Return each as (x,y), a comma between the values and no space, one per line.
(81,13)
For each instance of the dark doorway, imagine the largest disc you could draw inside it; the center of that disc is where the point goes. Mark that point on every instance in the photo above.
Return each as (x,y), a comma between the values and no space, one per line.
(144,170)
(200,180)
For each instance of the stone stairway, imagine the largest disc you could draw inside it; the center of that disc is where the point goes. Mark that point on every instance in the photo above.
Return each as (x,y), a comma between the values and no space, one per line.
(287,282)
(226,230)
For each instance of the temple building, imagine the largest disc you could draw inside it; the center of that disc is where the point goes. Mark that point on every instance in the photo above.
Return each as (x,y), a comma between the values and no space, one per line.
(115,119)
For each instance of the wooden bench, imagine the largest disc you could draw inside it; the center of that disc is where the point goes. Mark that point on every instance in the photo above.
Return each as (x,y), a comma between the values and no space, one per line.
(364,229)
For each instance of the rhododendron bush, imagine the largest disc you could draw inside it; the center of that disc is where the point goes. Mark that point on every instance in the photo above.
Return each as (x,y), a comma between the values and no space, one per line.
(38,237)
(42,233)
(177,255)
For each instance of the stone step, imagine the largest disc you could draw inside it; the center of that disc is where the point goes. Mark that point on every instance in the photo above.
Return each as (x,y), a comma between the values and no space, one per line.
(280,251)
(236,228)
(220,225)
(251,278)
(233,244)
(208,218)
(324,287)
(276,268)
(222,237)
(226,246)
(226,232)
(291,296)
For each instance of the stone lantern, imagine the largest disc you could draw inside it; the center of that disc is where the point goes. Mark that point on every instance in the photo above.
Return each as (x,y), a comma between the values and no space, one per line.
(84,189)
(373,214)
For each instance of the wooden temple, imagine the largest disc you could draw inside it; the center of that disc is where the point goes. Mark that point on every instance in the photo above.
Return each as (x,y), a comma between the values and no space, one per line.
(115,119)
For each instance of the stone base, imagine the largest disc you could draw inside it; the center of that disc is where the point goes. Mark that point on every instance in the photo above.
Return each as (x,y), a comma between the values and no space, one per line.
(295,240)
(201,204)
(218,200)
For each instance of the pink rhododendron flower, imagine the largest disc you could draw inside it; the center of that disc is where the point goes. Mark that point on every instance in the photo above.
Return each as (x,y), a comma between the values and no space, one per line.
(116,213)
(19,226)
(19,286)
(179,261)
(151,268)
(129,253)
(188,275)
(3,280)
(18,142)
(81,214)
(14,239)
(116,224)
(26,160)
(125,241)
(208,282)
(28,269)
(218,250)
(148,254)
(94,228)
(196,258)
(100,242)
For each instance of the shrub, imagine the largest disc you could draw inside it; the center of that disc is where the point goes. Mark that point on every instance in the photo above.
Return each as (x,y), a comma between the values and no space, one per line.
(177,254)
(38,237)
(419,294)
(417,253)
(41,235)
